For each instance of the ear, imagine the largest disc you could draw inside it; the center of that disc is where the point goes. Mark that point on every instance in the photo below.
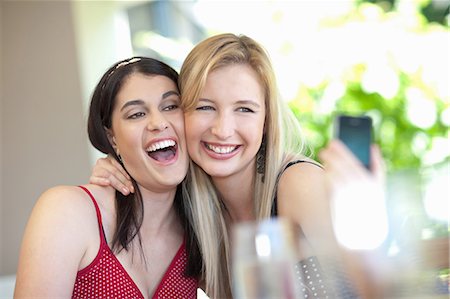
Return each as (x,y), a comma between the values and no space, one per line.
(111,138)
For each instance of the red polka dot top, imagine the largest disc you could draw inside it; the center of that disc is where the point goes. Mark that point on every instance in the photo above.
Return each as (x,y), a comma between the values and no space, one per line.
(105,276)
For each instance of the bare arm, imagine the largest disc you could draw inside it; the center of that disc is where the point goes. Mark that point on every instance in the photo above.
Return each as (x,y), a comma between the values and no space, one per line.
(303,198)
(108,172)
(306,193)
(53,246)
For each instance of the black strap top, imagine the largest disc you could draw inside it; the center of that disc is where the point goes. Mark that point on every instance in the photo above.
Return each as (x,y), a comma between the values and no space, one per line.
(274,211)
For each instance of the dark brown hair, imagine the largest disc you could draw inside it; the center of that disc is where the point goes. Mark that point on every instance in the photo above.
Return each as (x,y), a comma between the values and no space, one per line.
(130,209)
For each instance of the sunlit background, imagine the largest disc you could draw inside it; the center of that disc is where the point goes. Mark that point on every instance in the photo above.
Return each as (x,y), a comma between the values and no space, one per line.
(387,59)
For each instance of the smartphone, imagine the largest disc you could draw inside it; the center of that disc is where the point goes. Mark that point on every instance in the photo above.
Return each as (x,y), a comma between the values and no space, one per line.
(356,133)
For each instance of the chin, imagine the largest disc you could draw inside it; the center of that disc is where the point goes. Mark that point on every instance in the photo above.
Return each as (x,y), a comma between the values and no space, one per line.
(218,173)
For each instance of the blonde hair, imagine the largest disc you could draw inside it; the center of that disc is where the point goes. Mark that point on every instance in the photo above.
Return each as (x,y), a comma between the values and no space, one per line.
(283,143)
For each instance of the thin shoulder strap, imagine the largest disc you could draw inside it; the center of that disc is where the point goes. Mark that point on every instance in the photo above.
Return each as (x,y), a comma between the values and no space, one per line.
(274,211)
(99,215)
(296,162)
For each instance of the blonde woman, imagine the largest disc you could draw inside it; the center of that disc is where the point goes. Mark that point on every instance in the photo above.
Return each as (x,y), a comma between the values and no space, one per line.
(247,152)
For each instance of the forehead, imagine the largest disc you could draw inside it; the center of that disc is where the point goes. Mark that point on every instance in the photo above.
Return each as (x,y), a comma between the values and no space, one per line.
(141,86)
(234,78)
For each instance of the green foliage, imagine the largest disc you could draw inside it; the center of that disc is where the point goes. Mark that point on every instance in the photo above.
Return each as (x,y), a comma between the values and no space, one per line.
(393,131)
(405,144)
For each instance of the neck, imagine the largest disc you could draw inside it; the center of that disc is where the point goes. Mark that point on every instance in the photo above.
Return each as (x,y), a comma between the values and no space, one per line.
(159,213)
(237,195)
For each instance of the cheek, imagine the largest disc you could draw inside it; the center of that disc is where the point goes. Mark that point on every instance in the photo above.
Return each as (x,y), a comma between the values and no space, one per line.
(127,143)
(254,134)
(256,126)
(178,125)
(192,126)
(190,138)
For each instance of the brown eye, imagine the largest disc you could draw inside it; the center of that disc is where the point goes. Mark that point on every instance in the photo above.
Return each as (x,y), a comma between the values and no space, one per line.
(136,115)
(170,107)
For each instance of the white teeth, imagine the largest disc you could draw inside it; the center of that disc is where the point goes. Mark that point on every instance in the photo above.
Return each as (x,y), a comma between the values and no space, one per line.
(221,149)
(159,145)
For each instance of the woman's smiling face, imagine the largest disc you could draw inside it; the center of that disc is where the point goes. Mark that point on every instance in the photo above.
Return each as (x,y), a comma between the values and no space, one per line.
(148,131)
(225,130)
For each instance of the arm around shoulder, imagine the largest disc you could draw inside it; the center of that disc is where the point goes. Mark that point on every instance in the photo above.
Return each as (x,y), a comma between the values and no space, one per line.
(53,245)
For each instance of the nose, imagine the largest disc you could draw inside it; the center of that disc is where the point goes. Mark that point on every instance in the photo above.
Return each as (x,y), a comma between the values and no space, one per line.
(224,126)
(157,122)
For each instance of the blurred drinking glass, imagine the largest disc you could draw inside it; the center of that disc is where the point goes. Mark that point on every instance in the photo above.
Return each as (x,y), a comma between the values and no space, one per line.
(264,255)
(267,262)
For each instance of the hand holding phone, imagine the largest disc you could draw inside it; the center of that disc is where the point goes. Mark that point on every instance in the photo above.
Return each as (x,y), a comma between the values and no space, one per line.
(356,133)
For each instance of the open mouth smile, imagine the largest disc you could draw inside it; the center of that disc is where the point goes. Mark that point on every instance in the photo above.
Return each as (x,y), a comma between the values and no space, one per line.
(163,150)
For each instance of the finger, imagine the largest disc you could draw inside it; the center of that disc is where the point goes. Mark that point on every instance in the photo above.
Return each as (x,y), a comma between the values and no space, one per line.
(126,180)
(121,175)
(345,154)
(99,181)
(100,164)
(108,175)
(108,167)
(335,173)
(119,186)
(105,178)
(377,164)
(118,166)
(342,162)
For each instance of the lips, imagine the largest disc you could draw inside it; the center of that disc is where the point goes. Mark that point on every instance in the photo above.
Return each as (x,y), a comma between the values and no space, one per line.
(221,151)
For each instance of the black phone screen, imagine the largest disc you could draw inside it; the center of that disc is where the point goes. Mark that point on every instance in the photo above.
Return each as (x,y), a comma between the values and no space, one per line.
(356,133)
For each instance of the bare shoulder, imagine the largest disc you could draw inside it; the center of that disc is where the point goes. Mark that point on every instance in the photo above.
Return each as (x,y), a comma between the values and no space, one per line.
(303,197)
(302,191)
(301,177)
(60,230)
(62,192)
(57,217)
(70,198)
(61,209)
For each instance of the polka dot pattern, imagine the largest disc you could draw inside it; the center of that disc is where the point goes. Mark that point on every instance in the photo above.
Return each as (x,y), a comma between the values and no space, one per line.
(325,282)
(311,279)
(174,283)
(105,277)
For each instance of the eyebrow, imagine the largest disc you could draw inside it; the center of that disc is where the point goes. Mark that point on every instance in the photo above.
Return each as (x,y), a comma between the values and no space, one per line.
(138,102)
(241,102)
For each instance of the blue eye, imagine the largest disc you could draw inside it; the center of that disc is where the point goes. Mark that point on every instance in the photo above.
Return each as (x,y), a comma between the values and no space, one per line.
(245,109)
(204,108)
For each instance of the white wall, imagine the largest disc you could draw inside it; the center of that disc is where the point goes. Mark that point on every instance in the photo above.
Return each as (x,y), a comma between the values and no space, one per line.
(1,134)
(43,131)
(51,56)
(102,38)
